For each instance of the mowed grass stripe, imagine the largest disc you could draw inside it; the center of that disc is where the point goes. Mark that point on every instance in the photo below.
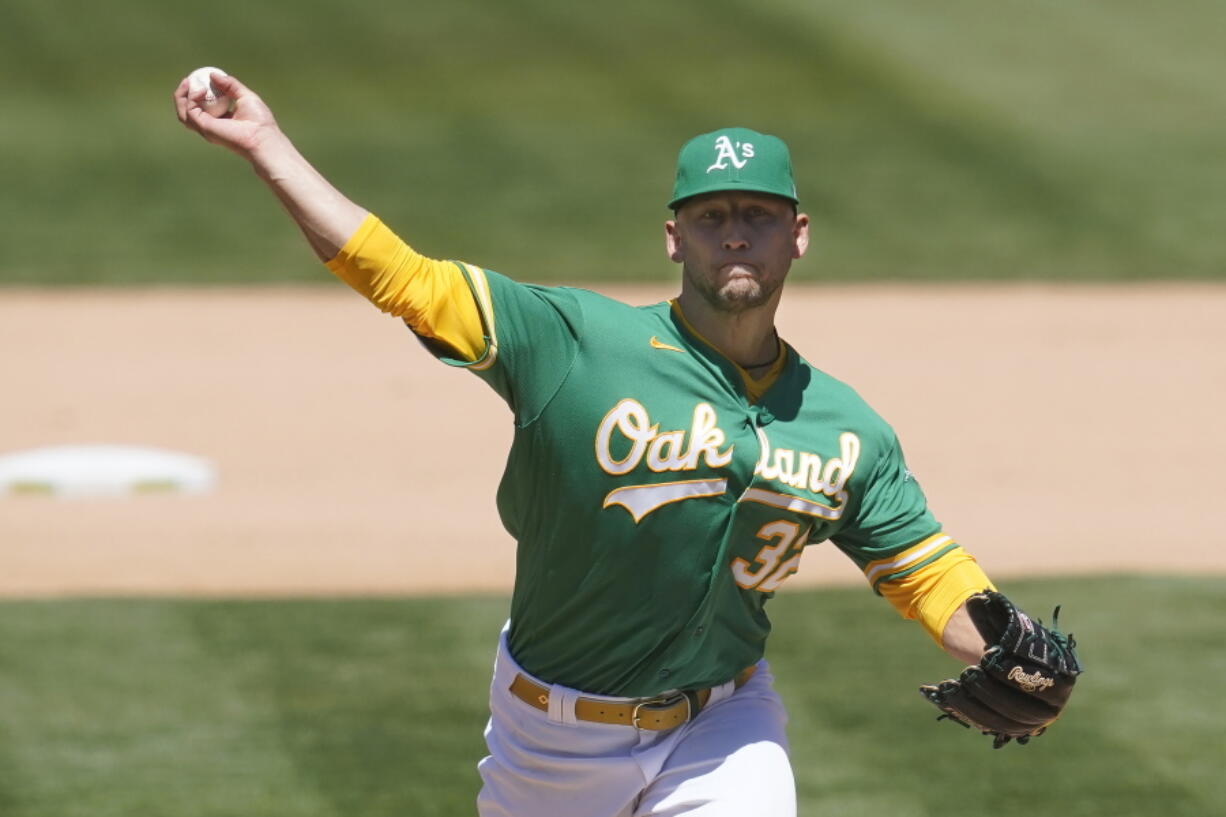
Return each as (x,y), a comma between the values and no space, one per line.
(537,137)
(1141,737)
(380,704)
(122,708)
(376,706)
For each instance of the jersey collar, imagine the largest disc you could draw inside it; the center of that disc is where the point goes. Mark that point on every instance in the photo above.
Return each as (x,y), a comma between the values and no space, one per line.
(754,387)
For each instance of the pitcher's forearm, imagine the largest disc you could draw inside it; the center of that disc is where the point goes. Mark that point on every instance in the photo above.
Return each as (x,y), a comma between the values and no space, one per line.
(326,217)
(961,638)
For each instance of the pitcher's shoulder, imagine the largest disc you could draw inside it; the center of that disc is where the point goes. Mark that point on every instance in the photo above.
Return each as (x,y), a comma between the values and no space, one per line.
(838,396)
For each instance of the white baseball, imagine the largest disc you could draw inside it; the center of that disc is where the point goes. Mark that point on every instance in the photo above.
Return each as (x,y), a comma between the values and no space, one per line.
(214,102)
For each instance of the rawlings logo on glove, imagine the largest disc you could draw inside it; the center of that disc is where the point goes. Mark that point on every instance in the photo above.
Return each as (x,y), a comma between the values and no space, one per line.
(1034,682)
(1021,684)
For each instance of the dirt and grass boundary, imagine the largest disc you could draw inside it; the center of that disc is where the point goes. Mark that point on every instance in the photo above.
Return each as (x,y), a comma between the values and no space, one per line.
(1055,430)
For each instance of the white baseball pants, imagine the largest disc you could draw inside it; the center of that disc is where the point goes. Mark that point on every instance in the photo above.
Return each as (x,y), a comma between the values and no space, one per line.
(730,760)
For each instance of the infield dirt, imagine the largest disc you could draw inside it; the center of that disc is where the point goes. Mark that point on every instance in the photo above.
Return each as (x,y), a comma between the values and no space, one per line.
(1056,430)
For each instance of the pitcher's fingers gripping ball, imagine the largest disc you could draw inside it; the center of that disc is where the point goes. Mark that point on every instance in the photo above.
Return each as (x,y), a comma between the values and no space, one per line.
(1023,681)
(245,123)
(201,89)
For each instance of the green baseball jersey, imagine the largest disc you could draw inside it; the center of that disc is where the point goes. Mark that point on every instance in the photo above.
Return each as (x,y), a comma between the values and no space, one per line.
(657,507)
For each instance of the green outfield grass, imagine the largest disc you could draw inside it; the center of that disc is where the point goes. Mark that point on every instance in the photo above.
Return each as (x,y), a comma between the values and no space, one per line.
(375,707)
(948,139)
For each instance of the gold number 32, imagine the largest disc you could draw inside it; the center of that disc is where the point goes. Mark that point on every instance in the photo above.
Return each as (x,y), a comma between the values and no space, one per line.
(774,562)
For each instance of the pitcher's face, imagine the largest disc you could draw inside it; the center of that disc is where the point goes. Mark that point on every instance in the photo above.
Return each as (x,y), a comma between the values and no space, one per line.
(736,248)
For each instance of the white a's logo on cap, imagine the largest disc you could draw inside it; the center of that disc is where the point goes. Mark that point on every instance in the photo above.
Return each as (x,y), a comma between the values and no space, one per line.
(726,152)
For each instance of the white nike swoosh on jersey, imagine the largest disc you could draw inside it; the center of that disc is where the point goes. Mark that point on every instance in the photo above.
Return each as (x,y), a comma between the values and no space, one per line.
(656,343)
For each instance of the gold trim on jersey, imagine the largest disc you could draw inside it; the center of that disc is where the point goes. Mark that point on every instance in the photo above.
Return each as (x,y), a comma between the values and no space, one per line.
(933,579)
(640,500)
(791,502)
(909,557)
(485,305)
(755,387)
(435,298)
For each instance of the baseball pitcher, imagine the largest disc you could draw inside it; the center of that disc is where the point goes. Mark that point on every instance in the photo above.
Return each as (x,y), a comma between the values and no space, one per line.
(670,465)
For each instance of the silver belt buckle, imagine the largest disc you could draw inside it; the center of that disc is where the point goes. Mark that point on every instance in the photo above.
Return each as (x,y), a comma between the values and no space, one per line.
(661,701)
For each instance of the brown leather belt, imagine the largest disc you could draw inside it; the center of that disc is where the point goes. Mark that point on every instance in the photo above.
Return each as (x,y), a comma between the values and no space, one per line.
(657,714)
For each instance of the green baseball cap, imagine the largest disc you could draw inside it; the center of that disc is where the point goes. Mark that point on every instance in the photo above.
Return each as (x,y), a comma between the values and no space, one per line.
(734,159)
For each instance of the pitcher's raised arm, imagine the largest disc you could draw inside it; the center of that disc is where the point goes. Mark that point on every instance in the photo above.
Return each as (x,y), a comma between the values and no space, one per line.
(326,217)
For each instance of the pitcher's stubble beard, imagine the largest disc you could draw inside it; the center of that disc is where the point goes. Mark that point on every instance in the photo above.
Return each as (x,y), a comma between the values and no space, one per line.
(737,294)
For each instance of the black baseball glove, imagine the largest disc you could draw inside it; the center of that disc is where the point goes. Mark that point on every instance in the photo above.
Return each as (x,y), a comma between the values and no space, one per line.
(1022,682)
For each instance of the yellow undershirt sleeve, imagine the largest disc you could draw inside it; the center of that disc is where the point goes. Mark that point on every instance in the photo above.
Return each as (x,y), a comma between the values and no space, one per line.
(935,591)
(433,297)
